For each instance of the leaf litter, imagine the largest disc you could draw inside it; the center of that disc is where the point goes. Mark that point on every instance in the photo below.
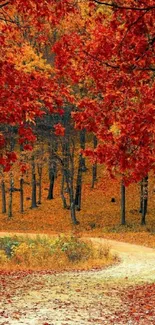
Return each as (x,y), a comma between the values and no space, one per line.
(122,294)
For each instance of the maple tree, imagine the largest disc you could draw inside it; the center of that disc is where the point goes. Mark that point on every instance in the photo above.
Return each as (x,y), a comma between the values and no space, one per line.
(28,83)
(118,58)
(30,86)
(115,58)
(112,56)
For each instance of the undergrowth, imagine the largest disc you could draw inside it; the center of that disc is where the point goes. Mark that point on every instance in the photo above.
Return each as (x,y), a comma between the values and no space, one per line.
(42,253)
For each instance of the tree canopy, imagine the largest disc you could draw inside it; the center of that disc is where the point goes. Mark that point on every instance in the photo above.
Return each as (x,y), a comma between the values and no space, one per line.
(101,57)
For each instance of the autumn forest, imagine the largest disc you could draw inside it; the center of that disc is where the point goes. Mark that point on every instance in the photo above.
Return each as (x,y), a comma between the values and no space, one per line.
(77,154)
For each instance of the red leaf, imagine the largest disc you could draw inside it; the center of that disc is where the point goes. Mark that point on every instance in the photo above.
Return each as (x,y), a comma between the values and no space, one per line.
(59,129)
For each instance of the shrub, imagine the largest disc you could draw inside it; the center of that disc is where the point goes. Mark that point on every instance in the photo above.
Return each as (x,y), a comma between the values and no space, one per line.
(74,248)
(35,255)
(21,254)
(3,258)
(7,244)
(104,251)
(46,253)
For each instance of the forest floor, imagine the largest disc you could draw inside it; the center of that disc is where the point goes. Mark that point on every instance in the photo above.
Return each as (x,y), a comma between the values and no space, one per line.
(123,294)
(99,216)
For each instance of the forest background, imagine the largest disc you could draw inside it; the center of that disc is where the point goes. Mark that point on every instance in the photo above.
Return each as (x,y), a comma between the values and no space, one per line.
(77,80)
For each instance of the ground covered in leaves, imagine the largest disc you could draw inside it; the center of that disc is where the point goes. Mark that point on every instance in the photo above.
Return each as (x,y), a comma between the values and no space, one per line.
(99,216)
(53,295)
(53,299)
(123,294)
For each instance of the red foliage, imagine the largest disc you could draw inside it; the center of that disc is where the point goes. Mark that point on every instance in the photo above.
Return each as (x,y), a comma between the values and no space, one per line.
(112,56)
(138,304)
(118,58)
(59,129)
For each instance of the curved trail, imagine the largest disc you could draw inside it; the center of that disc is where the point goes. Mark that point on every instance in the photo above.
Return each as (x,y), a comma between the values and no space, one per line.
(137,262)
(81,298)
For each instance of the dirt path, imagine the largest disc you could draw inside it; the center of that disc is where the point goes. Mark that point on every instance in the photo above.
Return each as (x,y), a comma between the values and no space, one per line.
(80,298)
(137,262)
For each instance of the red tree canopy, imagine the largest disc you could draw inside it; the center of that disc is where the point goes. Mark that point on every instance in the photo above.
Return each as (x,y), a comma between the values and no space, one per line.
(27,93)
(105,53)
(115,54)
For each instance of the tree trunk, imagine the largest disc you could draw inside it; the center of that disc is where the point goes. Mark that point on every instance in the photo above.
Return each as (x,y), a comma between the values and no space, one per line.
(34,196)
(12,141)
(94,168)
(141,197)
(65,186)
(68,163)
(21,195)
(71,185)
(82,145)
(62,191)
(72,207)
(72,201)
(144,200)
(40,183)
(78,191)
(10,198)
(123,221)
(3,197)
(52,166)
(51,186)
(52,171)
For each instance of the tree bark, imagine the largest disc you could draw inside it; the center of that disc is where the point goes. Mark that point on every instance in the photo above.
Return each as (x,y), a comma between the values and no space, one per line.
(94,168)
(51,185)
(141,197)
(65,186)
(21,195)
(64,201)
(78,191)
(144,200)
(34,193)
(10,214)
(72,202)
(3,197)
(71,185)
(82,145)
(73,210)
(40,168)
(52,172)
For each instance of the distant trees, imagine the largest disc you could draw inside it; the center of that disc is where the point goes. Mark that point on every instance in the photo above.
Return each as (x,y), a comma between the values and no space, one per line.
(69,69)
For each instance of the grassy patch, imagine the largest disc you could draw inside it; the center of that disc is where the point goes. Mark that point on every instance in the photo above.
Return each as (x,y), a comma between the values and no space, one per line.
(62,253)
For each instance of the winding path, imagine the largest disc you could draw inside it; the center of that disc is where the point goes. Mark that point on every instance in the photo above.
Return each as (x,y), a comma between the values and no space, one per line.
(137,262)
(80,298)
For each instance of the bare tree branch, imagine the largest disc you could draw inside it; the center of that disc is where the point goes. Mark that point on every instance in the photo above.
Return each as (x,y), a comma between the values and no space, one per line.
(100,61)
(116,67)
(116,6)
(8,21)
(4,4)
(130,26)
(145,69)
